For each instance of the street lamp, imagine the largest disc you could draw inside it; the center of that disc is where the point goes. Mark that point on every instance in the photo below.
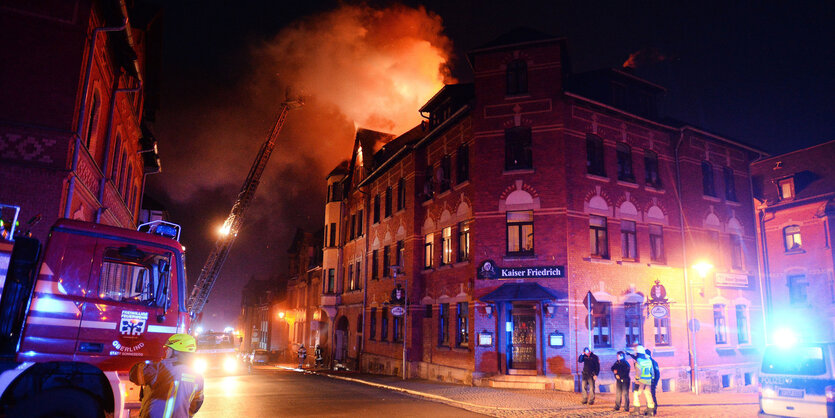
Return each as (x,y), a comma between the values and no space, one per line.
(703,268)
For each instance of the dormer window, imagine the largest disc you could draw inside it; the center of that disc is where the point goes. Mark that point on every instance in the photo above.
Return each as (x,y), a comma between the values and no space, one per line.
(517,77)
(786,187)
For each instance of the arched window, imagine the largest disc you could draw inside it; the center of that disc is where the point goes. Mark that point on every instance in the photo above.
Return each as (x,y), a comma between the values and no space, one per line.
(707,179)
(624,154)
(114,167)
(517,77)
(792,237)
(93,121)
(651,169)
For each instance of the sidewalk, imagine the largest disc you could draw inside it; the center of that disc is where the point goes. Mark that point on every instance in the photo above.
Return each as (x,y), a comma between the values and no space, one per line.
(547,403)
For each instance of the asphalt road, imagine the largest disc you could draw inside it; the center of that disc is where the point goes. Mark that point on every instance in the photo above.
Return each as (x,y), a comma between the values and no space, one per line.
(276,393)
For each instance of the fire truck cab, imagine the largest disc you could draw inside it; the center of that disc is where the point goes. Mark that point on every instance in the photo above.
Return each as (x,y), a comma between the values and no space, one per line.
(77,313)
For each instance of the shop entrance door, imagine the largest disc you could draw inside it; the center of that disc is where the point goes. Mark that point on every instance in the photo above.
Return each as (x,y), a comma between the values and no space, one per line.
(522,338)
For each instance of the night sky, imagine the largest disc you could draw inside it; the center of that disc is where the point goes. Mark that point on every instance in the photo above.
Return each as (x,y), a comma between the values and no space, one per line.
(757,72)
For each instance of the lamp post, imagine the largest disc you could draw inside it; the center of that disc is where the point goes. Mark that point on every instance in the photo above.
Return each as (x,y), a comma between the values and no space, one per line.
(702,268)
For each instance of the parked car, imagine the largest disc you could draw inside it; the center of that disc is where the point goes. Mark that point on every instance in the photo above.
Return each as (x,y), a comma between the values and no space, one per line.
(259,357)
(798,380)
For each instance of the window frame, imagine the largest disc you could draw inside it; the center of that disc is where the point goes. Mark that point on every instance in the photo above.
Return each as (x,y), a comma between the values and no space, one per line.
(623,152)
(463,241)
(443,325)
(388,203)
(516,77)
(730,184)
(384,324)
(518,148)
(376,218)
(629,240)
(462,325)
(657,252)
(595,156)
(598,232)
(520,234)
(633,319)
(386,261)
(737,252)
(401,194)
(743,332)
(372,325)
(662,331)
(796,243)
(720,324)
(708,183)
(446,246)
(375,265)
(652,176)
(445,167)
(330,283)
(798,285)
(462,164)
(602,321)
(428,256)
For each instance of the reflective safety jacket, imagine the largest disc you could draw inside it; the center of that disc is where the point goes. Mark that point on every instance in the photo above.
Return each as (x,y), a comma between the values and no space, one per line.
(171,389)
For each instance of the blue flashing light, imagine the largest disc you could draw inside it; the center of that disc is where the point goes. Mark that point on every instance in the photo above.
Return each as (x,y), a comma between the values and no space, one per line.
(785,338)
(30,353)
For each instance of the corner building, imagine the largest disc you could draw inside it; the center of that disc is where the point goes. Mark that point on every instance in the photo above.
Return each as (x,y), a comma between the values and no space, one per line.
(519,196)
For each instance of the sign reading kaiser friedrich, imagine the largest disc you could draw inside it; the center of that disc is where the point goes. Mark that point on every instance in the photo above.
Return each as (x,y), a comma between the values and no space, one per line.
(489,270)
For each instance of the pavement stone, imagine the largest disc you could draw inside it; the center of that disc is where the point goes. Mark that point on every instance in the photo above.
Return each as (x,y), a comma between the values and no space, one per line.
(499,402)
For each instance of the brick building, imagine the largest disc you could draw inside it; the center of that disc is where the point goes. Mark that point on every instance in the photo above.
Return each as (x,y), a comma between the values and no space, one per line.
(75,92)
(795,195)
(524,192)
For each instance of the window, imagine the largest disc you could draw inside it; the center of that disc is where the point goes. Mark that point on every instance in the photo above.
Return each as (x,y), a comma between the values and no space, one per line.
(398,329)
(93,122)
(624,154)
(331,285)
(736,251)
(332,236)
(427,251)
(114,168)
(462,164)
(517,151)
(462,336)
(428,185)
(372,325)
(358,279)
(598,237)
(742,324)
(662,330)
(353,226)
(122,171)
(651,169)
(628,241)
(445,173)
(707,179)
(594,156)
(376,209)
(798,286)
(602,324)
(730,186)
(335,192)
(384,324)
(388,202)
(719,327)
(359,224)
(792,237)
(634,324)
(386,261)
(350,275)
(520,233)
(401,255)
(463,241)
(375,265)
(401,194)
(443,324)
(656,243)
(786,188)
(133,276)
(517,77)
(446,246)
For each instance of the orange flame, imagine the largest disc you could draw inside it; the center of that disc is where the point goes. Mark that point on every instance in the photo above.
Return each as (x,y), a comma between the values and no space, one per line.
(643,57)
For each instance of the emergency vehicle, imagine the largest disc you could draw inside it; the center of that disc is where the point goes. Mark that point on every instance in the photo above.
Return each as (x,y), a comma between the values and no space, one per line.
(78,312)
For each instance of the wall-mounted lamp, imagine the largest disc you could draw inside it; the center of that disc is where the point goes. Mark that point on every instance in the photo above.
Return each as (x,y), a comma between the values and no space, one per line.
(488,309)
(550,309)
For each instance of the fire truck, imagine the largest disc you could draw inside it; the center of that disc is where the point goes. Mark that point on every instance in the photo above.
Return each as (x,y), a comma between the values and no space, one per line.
(79,311)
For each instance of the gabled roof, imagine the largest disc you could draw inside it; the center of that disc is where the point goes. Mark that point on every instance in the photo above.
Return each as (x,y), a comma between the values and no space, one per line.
(520,36)
(811,168)
(462,92)
(340,169)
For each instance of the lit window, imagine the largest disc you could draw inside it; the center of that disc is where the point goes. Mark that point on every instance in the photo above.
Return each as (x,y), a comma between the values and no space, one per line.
(786,188)
(427,251)
(628,241)
(656,243)
(792,237)
(520,233)
(720,330)
(517,77)
(598,237)
(462,336)
(602,323)
(446,246)
(662,330)
(624,157)
(742,324)
(463,241)
(634,324)
(443,324)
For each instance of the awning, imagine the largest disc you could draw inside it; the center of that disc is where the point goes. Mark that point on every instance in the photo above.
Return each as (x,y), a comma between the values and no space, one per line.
(522,291)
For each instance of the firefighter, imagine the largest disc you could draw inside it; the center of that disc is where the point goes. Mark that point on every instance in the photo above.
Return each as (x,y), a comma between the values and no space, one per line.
(318,354)
(302,355)
(171,388)
(644,372)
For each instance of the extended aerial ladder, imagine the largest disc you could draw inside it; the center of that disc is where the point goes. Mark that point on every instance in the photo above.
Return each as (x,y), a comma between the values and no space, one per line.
(229,231)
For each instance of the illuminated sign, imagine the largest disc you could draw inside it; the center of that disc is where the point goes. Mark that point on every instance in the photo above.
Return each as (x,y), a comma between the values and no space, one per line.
(489,270)
(731,280)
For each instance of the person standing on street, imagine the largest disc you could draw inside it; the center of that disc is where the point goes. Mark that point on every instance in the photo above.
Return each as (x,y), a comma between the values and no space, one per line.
(621,370)
(643,381)
(302,355)
(591,368)
(656,376)
(317,353)
(171,389)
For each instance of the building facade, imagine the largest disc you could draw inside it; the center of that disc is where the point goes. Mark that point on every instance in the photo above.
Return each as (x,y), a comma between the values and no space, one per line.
(74,99)
(795,198)
(536,212)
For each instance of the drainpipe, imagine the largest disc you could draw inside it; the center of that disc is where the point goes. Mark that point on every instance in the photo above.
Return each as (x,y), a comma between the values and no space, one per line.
(765,278)
(688,297)
(83,110)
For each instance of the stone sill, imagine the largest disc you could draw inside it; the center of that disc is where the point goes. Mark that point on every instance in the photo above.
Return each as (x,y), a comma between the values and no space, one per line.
(518,171)
(598,260)
(649,188)
(461,185)
(711,198)
(597,177)
(627,183)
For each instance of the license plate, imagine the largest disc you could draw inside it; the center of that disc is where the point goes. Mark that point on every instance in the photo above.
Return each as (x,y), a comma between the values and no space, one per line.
(791,393)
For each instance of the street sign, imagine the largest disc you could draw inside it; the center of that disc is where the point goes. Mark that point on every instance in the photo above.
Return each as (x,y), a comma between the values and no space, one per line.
(589,301)
(398,310)
(659,311)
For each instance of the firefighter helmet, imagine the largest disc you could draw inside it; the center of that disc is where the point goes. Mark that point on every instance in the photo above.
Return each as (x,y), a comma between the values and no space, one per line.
(182,342)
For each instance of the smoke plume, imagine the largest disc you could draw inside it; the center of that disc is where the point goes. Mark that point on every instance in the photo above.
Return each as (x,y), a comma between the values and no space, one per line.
(644,57)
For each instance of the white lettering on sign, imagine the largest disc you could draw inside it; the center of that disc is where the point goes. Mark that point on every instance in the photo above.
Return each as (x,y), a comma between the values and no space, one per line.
(514,272)
(731,280)
(133,323)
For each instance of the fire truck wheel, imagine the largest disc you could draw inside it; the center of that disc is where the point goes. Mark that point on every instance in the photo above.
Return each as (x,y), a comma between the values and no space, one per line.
(62,402)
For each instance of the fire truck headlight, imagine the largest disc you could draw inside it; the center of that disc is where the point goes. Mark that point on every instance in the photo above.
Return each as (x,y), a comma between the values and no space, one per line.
(230,364)
(200,365)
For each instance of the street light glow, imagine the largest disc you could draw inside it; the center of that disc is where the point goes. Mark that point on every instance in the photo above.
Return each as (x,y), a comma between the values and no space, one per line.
(225,229)
(703,268)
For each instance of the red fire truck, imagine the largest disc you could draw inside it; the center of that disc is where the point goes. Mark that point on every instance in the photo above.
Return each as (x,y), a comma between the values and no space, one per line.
(78,312)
